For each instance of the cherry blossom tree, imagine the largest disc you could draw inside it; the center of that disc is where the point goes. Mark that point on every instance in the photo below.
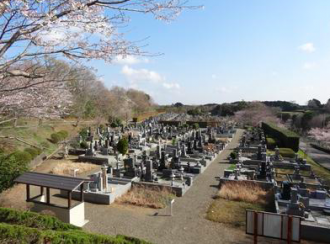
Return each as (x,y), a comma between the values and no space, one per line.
(255,113)
(32,31)
(322,135)
(75,29)
(45,95)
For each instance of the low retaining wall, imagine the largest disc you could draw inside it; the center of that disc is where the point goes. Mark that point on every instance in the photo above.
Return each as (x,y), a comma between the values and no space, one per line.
(315,233)
(94,160)
(179,191)
(323,149)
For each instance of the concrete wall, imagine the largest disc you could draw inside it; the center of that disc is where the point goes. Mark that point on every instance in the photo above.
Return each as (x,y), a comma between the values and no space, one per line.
(179,191)
(75,215)
(315,233)
(94,159)
(102,197)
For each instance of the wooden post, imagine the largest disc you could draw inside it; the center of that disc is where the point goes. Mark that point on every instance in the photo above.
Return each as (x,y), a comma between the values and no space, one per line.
(41,190)
(69,199)
(47,195)
(255,228)
(27,192)
(289,229)
(82,192)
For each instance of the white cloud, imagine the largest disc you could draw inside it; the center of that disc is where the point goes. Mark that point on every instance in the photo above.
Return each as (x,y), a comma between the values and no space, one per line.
(309,66)
(307,47)
(135,76)
(129,60)
(224,89)
(227,89)
(171,85)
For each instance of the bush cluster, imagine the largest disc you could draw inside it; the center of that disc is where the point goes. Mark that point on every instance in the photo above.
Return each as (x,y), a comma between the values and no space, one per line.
(287,152)
(122,146)
(34,152)
(116,123)
(233,155)
(271,143)
(84,145)
(284,137)
(84,133)
(33,220)
(12,166)
(59,136)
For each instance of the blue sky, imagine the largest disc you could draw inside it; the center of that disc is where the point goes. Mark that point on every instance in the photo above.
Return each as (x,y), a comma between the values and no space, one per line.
(229,51)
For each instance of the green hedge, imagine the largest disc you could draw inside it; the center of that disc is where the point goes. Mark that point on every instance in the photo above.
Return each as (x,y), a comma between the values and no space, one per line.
(28,227)
(33,220)
(24,235)
(271,143)
(287,152)
(284,137)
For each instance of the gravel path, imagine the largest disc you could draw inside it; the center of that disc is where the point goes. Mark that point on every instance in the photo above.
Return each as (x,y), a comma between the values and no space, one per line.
(188,223)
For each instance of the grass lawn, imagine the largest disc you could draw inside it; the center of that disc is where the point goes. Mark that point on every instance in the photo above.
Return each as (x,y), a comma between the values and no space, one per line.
(232,167)
(318,169)
(231,212)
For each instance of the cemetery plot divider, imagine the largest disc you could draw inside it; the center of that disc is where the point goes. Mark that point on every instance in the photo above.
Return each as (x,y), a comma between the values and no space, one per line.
(272,225)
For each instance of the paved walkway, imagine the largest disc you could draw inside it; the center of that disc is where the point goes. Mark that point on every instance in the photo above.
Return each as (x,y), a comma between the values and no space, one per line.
(188,223)
(318,156)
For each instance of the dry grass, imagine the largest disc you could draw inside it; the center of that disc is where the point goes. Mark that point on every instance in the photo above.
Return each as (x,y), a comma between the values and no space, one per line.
(234,198)
(230,212)
(66,168)
(244,192)
(145,197)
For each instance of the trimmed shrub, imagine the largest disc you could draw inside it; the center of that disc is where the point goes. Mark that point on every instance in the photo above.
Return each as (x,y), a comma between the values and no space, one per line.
(233,155)
(84,145)
(55,138)
(271,143)
(32,151)
(284,137)
(287,152)
(63,134)
(122,145)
